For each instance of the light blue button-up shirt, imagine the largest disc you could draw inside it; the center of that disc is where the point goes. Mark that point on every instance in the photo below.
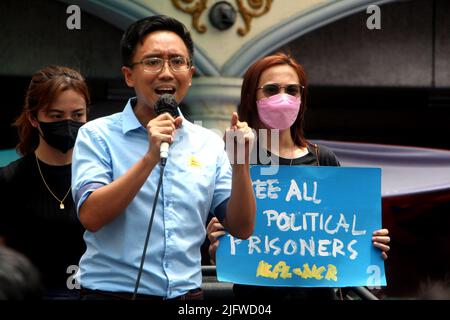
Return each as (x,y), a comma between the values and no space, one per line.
(197,178)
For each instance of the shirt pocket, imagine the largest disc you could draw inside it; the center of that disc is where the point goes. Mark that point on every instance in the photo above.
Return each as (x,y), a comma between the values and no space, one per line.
(193,181)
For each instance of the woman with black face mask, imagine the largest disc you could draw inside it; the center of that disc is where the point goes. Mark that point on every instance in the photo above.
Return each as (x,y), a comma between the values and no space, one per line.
(37,215)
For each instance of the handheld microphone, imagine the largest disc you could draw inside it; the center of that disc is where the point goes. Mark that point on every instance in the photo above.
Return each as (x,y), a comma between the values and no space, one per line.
(166,103)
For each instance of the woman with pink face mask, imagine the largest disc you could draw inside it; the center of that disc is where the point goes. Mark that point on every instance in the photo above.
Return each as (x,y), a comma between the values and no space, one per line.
(273,96)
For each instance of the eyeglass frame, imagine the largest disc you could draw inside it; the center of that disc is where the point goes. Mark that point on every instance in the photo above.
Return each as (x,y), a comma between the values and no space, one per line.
(188,60)
(301,88)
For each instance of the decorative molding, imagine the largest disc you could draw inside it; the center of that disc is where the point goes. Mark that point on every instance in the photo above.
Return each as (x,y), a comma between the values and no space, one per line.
(254,9)
(196,11)
(222,15)
(294,27)
(122,13)
(257,9)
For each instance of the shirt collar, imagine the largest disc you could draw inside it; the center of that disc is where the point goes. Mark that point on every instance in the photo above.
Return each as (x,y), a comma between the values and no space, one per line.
(130,121)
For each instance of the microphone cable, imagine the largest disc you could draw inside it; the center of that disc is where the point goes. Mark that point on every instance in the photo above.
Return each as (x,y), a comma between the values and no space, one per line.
(149,229)
(165,103)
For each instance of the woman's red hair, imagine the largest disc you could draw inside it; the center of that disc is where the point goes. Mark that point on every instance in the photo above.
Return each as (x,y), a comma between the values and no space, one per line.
(247,108)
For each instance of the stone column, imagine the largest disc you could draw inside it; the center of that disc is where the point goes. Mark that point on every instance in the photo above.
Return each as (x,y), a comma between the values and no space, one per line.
(212,100)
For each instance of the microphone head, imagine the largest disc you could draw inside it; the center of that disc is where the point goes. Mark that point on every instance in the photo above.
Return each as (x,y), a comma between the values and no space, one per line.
(167,103)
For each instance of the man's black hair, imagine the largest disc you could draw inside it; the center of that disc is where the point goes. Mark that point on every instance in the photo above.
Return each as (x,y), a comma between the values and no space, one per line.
(137,31)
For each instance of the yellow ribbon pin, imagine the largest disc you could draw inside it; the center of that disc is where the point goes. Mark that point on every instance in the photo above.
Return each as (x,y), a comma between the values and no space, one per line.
(193,162)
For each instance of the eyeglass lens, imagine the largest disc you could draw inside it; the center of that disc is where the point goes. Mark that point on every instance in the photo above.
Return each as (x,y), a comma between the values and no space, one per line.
(274,88)
(155,64)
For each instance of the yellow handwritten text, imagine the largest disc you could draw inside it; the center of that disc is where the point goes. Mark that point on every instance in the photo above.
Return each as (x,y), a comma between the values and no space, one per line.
(281,269)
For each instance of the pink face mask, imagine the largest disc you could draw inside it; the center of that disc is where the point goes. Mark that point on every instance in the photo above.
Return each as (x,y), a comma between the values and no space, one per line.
(278,111)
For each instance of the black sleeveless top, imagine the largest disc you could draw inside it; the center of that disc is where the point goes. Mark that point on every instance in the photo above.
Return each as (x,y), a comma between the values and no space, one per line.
(316,156)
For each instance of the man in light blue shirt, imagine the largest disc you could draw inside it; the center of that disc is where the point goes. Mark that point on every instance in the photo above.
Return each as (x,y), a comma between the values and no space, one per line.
(115,173)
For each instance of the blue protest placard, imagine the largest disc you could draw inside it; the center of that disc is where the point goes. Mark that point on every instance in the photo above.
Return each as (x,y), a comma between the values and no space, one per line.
(313,229)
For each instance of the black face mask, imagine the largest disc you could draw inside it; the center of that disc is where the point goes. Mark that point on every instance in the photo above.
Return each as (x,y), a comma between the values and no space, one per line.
(60,135)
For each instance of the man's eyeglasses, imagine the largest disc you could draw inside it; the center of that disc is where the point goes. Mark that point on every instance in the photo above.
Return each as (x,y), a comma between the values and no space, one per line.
(272,89)
(156,64)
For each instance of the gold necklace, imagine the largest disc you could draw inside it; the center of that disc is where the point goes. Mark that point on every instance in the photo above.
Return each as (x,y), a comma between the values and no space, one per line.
(61,204)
